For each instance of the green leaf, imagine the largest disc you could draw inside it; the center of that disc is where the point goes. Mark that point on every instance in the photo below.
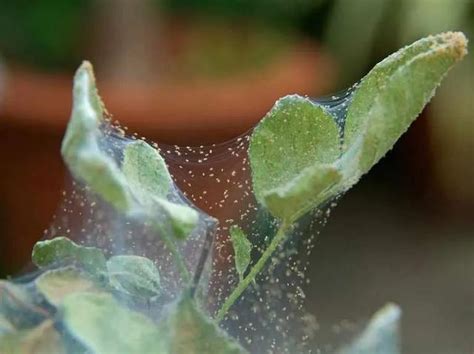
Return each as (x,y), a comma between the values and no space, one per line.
(43,339)
(62,251)
(312,187)
(394,93)
(56,284)
(140,186)
(134,275)
(381,335)
(295,153)
(182,218)
(190,331)
(103,326)
(150,182)
(146,172)
(295,141)
(242,249)
(80,148)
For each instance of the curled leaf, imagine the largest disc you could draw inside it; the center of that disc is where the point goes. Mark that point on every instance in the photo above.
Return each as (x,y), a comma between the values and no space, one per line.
(242,249)
(80,147)
(134,275)
(61,251)
(139,185)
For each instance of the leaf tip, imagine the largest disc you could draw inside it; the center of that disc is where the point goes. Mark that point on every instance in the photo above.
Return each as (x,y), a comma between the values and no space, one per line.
(453,42)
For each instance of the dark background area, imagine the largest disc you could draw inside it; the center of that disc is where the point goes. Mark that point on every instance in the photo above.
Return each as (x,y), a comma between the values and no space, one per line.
(197,72)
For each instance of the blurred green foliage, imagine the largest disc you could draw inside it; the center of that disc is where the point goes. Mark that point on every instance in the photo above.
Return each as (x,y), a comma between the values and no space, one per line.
(360,33)
(46,33)
(282,12)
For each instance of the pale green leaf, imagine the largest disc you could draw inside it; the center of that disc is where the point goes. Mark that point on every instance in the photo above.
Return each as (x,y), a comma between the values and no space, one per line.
(140,186)
(312,187)
(394,93)
(61,251)
(192,332)
(43,339)
(146,172)
(381,335)
(134,275)
(294,140)
(103,326)
(56,284)
(183,219)
(80,148)
(150,182)
(242,249)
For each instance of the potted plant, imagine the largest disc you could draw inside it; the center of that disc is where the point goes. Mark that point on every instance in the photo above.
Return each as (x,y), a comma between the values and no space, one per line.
(97,290)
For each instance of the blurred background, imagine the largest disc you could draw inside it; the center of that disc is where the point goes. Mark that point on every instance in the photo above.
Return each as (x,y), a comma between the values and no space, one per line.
(203,71)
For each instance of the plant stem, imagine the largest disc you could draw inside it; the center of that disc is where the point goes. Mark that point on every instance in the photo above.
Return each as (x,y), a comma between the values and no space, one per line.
(178,257)
(257,268)
(202,260)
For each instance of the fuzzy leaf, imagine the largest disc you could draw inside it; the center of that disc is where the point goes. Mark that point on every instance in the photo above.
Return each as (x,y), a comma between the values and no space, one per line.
(295,141)
(150,182)
(103,326)
(62,251)
(146,172)
(80,148)
(134,275)
(311,188)
(56,284)
(394,93)
(182,218)
(381,335)
(242,249)
(43,339)
(190,331)
(140,186)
